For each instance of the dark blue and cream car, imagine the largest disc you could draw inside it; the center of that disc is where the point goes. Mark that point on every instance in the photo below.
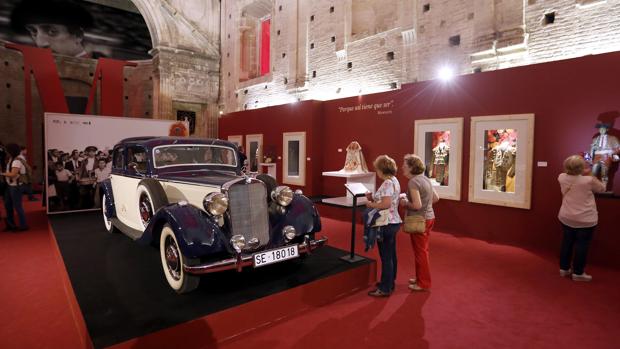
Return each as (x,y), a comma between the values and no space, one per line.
(191,198)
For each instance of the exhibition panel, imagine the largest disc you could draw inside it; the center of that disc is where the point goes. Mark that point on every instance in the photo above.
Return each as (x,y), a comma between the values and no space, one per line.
(79,158)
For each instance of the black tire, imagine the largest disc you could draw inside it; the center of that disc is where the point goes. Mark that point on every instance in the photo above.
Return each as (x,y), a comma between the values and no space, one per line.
(151,197)
(107,223)
(269,181)
(172,261)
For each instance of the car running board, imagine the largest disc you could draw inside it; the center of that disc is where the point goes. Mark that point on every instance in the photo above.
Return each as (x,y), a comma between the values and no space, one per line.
(134,234)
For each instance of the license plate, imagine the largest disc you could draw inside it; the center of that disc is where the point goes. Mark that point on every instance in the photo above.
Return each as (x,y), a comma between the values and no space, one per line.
(275,256)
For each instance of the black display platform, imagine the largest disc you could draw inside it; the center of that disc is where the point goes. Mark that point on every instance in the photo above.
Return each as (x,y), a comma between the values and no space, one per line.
(123,294)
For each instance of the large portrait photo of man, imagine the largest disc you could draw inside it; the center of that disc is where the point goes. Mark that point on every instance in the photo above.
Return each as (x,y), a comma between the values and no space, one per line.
(77,28)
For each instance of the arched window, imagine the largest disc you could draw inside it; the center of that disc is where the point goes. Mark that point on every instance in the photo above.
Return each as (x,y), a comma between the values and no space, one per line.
(255,35)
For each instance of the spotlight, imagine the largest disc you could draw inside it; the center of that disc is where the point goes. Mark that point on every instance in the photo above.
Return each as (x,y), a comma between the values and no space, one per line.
(221,112)
(446,74)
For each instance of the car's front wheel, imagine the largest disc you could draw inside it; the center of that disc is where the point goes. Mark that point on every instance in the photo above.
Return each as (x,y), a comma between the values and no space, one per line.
(172,261)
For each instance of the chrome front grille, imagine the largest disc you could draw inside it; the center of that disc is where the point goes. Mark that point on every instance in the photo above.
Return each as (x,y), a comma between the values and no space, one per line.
(248,211)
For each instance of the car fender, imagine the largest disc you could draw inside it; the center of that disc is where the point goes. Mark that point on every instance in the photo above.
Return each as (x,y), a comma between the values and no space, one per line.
(301,214)
(196,232)
(110,206)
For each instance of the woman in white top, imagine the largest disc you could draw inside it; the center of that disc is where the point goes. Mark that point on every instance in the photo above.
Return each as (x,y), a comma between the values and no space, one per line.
(578,216)
(386,197)
(13,194)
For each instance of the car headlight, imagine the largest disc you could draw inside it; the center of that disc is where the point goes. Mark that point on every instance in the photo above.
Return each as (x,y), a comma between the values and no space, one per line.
(288,232)
(283,195)
(215,203)
(237,242)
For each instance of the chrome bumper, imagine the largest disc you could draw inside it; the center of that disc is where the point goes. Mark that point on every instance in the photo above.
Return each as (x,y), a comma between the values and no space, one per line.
(244,260)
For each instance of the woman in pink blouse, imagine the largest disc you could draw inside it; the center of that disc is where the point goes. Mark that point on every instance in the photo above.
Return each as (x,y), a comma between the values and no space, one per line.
(578,216)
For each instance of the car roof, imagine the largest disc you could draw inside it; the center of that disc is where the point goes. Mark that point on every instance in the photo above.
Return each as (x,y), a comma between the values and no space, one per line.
(152,141)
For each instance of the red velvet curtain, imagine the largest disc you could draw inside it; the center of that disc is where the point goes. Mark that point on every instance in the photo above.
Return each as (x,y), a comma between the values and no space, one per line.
(265,45)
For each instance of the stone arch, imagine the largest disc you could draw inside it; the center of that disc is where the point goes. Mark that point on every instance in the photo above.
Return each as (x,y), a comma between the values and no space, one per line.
(152,20)
(185,59)
(170,27)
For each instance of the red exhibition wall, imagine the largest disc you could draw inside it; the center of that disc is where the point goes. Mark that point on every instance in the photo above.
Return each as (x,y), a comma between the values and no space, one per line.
(567,98)
(272,123)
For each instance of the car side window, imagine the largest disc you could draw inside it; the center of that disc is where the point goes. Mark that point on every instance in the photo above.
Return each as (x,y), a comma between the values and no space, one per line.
(118,158)
(137,155)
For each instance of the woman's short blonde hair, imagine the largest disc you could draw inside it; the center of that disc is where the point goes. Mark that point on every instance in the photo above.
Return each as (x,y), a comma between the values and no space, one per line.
(574,165)
(415,163)
(386,165)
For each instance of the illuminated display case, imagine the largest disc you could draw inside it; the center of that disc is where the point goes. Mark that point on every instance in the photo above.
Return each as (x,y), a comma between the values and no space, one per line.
(439,142)
(500,167)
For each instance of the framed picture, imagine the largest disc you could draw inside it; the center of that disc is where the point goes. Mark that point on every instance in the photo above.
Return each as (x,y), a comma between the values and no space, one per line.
(294,158)
(254,150)
(237,139)
(439,142)
(500,160)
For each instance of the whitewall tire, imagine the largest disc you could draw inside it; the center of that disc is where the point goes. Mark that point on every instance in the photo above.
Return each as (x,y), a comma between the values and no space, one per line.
(107,222)
(172,261)
(151,197)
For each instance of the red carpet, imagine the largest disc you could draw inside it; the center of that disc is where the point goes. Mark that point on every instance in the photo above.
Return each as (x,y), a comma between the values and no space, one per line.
(484,296)
(36,299)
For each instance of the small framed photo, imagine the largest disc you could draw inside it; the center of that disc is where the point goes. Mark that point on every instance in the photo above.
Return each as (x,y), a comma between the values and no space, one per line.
(500,160)
(294,158)
(254,150)
(439,142)
(237,140)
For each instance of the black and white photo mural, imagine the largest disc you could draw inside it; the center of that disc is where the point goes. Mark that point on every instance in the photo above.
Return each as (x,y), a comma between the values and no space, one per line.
(77,28)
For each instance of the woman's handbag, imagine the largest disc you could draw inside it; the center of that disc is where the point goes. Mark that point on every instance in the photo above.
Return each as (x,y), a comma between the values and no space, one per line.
(415,224)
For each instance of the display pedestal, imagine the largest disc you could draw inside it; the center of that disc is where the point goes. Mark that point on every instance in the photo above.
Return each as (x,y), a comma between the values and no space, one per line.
(356,191)
(110,281)
(367,179)
(271,168)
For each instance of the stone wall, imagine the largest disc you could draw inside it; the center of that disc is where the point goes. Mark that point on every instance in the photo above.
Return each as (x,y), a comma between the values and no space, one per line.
(317,54)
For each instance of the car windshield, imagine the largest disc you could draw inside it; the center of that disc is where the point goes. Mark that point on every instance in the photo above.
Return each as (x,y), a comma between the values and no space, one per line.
(193,155)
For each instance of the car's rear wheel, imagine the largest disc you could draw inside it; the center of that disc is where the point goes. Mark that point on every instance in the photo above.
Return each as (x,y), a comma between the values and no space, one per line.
(172,261)
(107,222)
(151,197)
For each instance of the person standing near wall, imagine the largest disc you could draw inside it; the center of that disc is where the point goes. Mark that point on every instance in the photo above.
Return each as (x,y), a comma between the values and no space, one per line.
(419,202)
(386,197)
(27,183)
(578,216)
(13,195)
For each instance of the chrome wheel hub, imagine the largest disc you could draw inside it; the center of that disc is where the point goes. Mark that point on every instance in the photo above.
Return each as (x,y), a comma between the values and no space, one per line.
(173,262)
(146,209)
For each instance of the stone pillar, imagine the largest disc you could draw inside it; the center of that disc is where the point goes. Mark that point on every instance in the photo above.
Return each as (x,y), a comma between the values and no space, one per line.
(186,78)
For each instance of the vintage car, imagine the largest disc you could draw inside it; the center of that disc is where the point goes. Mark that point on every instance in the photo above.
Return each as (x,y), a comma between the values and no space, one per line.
(192,199)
